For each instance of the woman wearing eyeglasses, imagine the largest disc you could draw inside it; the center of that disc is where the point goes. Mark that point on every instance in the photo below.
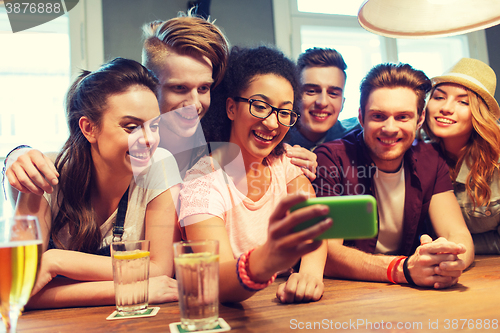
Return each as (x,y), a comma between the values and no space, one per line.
(241,196)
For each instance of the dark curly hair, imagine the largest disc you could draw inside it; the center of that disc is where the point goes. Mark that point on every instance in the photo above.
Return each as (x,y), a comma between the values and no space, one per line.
(243,65)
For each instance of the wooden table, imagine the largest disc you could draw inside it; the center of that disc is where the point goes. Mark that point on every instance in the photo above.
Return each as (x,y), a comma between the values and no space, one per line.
(470,306)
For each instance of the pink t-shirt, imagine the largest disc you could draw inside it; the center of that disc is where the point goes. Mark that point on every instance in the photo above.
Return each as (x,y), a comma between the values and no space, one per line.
(210,190)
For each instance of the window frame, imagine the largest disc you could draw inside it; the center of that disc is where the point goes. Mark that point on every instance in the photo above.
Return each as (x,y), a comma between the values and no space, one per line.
(86,36)
(86,51)
(288,21)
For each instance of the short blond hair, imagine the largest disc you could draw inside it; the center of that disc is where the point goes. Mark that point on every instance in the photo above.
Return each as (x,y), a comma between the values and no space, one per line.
(186,34)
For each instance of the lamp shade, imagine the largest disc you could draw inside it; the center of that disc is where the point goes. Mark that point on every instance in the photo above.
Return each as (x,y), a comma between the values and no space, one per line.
(427,18)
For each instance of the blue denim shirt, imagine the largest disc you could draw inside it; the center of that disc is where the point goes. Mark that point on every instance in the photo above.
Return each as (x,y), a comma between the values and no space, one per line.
(337,131)
(483,222)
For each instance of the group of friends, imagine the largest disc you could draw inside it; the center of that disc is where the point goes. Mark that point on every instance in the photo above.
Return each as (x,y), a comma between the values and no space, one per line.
(203,141)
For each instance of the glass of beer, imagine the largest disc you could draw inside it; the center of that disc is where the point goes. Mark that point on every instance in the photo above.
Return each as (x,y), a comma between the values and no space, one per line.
(131,276)
(197,275)
(20,255)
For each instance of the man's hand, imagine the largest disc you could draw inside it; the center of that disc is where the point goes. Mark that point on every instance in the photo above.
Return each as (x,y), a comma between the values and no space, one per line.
(304,159)
(32,172)
(300,287)
(436,263)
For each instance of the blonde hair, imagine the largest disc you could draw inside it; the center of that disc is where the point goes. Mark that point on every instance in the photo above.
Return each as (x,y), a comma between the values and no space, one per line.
(481,153)
(186,34)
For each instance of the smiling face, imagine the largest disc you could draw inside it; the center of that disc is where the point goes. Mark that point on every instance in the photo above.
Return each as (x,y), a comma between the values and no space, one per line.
(390,124)
(185,83)
(322,100)
(128,133)
(258,137)
(448,113)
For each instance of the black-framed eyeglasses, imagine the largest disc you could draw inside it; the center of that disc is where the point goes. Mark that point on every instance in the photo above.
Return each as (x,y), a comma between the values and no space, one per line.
(262,110)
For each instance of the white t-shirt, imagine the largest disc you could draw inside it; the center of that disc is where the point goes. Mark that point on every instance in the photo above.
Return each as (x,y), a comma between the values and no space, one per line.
(162,175)
(390,192)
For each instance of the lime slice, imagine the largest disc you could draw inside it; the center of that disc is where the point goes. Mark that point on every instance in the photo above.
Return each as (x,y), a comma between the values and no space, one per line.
(196,258)
(129,255)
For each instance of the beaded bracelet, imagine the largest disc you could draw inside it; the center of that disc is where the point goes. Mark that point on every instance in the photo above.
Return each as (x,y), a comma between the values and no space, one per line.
(406,271)
(5,166)
(393,264)
(244,276)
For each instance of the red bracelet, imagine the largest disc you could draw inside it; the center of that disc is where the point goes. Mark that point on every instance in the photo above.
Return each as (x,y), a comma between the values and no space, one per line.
(244,275)
(390,269)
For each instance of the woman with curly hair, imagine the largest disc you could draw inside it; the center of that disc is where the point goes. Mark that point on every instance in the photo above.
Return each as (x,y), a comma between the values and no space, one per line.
(242,196)
(462,117)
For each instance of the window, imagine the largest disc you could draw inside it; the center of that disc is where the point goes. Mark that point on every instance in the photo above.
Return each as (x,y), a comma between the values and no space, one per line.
(434,55)
(36,70)
(301,24)
(360,50)
(34,76)
(337,7)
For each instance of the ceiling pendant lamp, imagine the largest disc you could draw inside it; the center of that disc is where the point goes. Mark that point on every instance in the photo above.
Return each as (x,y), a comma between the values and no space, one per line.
(427,18)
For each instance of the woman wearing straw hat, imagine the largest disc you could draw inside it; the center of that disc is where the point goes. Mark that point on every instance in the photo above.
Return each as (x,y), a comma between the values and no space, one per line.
(461,116)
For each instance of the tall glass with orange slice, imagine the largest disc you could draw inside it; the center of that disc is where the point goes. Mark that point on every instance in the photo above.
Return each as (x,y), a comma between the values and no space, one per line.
(131,275)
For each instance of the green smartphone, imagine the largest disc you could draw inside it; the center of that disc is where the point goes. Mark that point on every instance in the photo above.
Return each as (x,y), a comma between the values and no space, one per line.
(354,216)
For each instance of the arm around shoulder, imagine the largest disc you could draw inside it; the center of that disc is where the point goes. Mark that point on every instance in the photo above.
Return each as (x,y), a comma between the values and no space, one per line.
(30,171)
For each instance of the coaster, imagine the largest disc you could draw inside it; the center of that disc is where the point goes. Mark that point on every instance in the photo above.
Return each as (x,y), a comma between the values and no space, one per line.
(222,327)
(150,312)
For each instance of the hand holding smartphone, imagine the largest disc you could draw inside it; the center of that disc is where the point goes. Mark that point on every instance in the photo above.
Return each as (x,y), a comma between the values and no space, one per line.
(354,216)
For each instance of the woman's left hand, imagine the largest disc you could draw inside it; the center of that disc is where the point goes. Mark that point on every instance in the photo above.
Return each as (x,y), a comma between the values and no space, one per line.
(304,159)
(300,287)
(45,274)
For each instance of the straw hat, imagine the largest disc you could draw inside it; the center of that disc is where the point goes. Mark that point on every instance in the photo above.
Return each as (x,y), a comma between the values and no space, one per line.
(475,75)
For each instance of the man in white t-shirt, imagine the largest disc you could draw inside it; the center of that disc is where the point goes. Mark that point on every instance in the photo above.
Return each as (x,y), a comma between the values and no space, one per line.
(408,178)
